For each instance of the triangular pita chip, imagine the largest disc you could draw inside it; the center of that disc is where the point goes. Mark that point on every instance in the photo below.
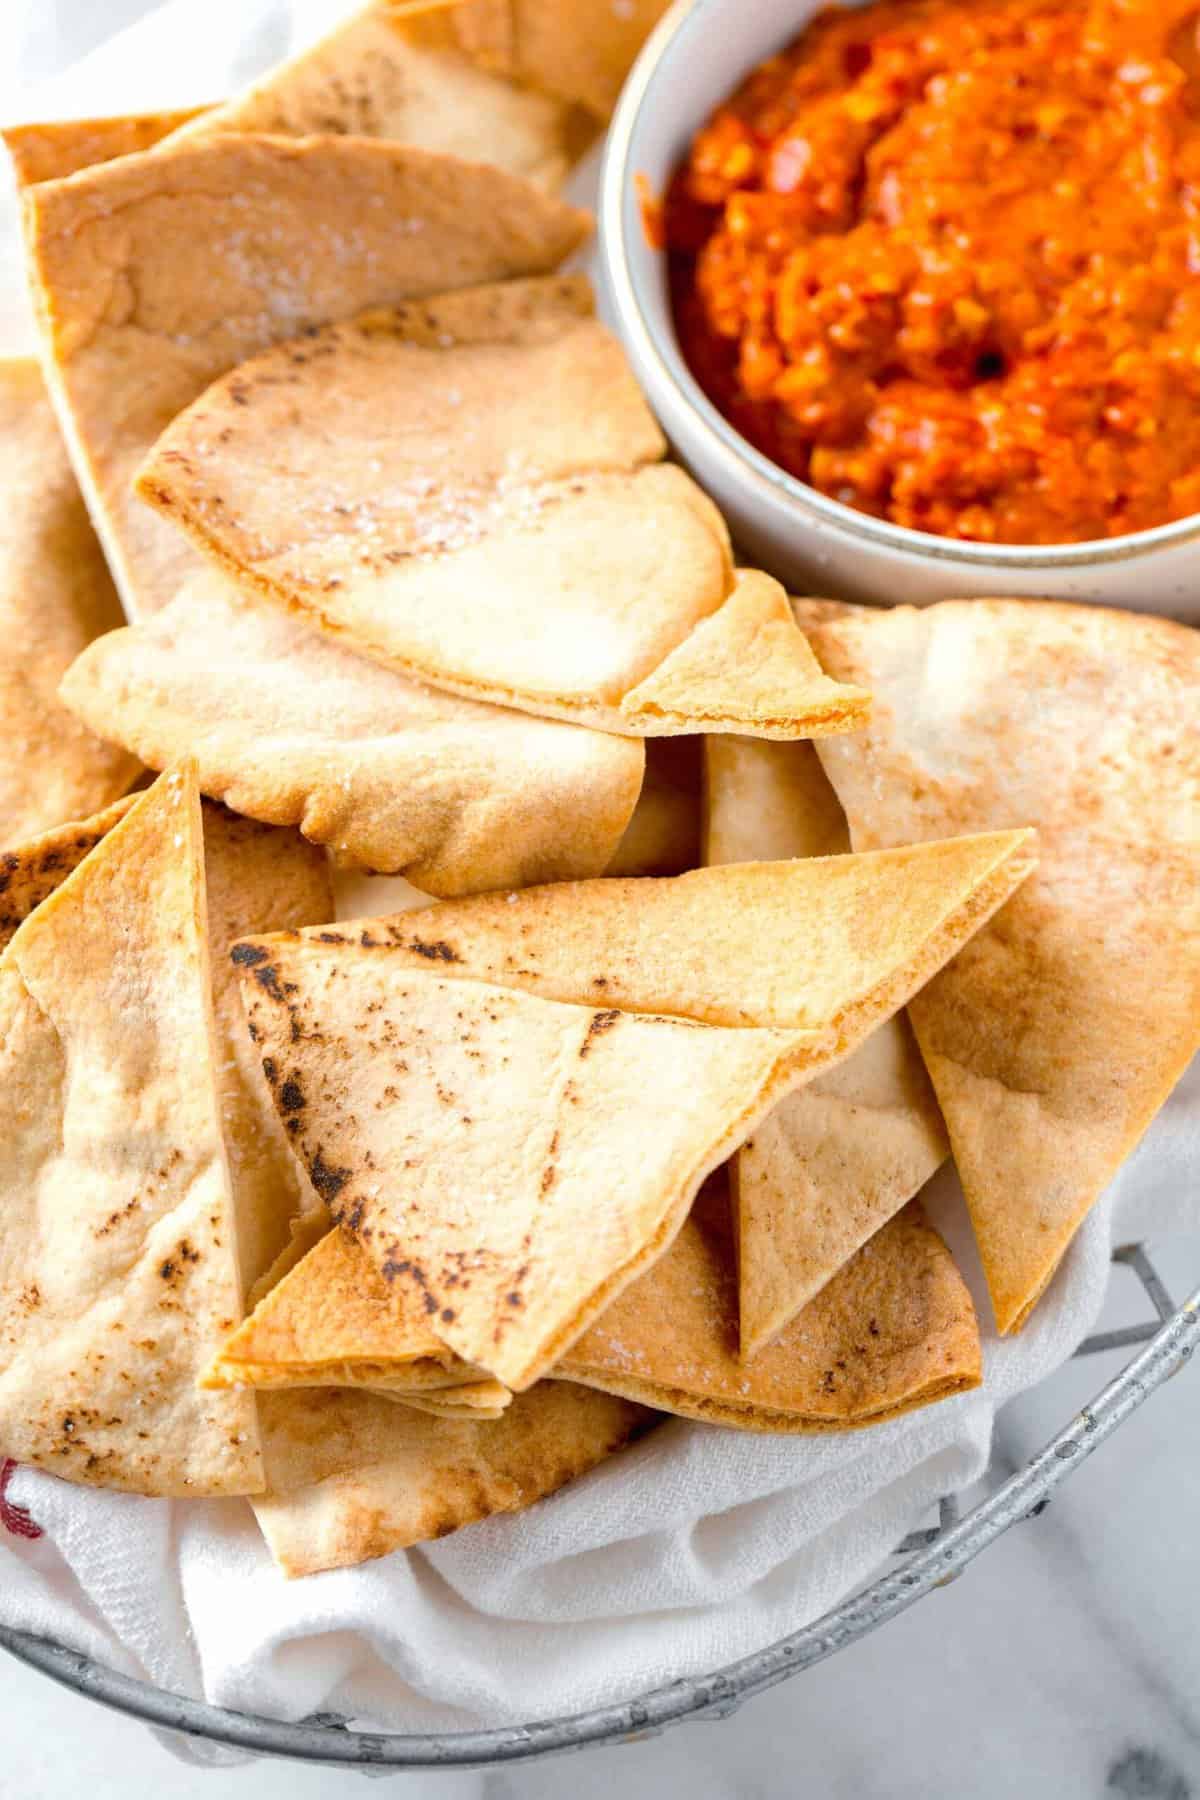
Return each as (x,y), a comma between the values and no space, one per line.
(583,50)
(289,727)
(831,946)
(30,872)
(471,491)
(55,596)
(61,147)
(838,1157)
(257,879)
(1057,1033)
(893,1330)
(350,1477)
(399,72)
(156,273)
(335,1321)
(521,1160)
(118,1247)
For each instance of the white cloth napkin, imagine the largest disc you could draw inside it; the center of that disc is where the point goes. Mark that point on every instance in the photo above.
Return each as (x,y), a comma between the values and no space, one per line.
(695,1547)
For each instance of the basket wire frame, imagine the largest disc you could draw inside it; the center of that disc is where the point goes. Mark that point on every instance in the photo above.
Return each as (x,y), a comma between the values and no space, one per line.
(928,1558)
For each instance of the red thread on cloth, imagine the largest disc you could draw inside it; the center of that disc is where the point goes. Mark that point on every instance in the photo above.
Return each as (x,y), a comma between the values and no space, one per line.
(14,1518)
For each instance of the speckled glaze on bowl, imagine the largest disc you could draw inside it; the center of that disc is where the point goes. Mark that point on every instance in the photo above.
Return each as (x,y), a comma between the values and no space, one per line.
(698,54)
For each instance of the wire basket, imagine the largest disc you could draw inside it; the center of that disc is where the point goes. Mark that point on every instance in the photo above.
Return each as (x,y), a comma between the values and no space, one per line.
(928,1559)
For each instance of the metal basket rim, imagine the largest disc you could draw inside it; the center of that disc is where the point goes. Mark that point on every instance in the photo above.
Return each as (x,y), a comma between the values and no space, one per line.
(326,1740)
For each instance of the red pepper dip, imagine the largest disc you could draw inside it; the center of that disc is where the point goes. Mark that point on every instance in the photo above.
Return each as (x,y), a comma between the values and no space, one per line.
(941,260)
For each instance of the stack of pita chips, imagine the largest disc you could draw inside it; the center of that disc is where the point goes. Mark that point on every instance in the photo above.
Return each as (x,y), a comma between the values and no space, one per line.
(471,491)
(840,1156)
(397,1224)
(55,597)
(1055,1037)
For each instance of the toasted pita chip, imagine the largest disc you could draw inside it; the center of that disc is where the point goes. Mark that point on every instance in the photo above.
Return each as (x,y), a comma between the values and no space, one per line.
(893,1330)
(292,729)
(257,879)
(118,1248)
(351,1477)
(307,1229)
(30,872)
(470,491)
(156,273)
(583,51)
(520,1159)
(334,1321)
(55,596)
(663,836)
(396,72)
(61,147)
(838,1157)
(1057,1033)
(831,946)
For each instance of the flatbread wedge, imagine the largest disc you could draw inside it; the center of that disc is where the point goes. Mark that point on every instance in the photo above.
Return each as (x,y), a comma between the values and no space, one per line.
(583,51)
(118,1248)
(893,1330)
(256,879)
(350,1477)
(335,1321)
(30,872)
(399,72)
(56,595)
(156,273)
(471,491)
(60,147)
(521,1160)
(830,946)
(391,777)
(1057,1033)
(842,1154)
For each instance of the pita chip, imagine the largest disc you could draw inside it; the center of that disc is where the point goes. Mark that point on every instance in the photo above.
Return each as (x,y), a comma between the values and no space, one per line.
(893,1330)
(335,1321)
(471,491)
(350,1477)
(829,946)
(55,596)
(118,1251)
(1057,1033)
(257,879)
(61,147)
(520,1159)
(30,872)
(582,51)
(156,273)
(399,72)
(290,728)
(839,1156)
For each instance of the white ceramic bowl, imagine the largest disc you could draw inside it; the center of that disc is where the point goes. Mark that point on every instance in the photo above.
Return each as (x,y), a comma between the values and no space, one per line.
(698,54)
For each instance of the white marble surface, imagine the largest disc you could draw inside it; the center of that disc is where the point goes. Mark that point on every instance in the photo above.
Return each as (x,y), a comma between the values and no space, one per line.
(1064,1665)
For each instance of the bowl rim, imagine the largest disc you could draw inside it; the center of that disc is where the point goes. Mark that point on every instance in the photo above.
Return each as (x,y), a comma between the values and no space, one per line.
(686,408)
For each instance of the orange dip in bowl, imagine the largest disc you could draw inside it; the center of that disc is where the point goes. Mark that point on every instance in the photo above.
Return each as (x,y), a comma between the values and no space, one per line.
(940,259)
